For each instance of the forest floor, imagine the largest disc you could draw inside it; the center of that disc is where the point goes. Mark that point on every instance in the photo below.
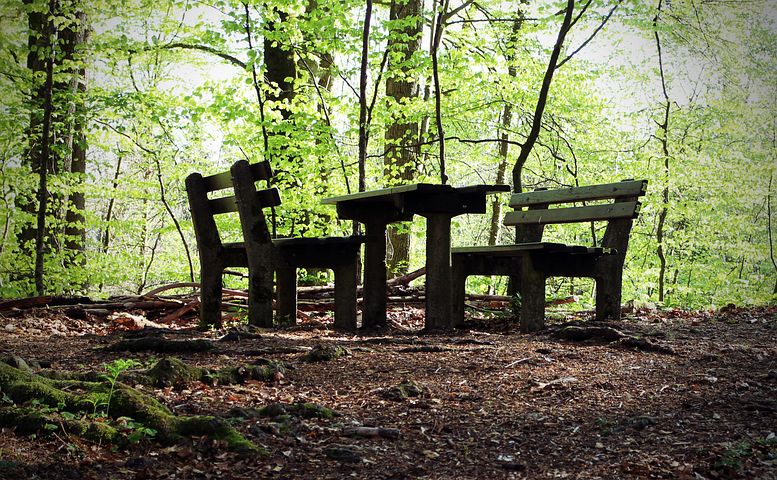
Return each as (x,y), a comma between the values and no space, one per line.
(486,402)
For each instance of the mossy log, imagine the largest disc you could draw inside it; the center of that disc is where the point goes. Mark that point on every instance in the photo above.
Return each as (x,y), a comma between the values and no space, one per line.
(24,387)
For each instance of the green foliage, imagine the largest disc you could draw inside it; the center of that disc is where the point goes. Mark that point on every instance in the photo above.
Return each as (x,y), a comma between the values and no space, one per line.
(114,369)
(172,90)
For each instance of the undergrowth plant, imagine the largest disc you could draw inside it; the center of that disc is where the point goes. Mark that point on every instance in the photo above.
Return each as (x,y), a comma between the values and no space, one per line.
(114,369)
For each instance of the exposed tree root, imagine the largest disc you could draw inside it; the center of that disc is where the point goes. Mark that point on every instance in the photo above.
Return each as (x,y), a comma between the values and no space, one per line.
(26,391)
(173,372)
(577,333)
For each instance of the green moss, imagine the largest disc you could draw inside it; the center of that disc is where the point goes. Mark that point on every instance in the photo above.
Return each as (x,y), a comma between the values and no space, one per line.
(303,410)
(125,401)
(219,430)
(128,402)
(169,372)
(325,353)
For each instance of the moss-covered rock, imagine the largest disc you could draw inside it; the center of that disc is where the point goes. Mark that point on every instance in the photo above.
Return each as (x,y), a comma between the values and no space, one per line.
(171,372)
(405,389)
(325,353)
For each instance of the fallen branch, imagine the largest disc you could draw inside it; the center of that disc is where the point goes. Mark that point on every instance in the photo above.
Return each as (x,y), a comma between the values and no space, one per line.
(407,278)
(170,317)
(43,301)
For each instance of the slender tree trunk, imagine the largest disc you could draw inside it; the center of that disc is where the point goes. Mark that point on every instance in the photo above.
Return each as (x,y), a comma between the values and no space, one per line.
(400,154)
(37,45)
(504,136)
(363,133)
(43,192)
(437,93)
(663,138)
(542,100)
(769,230)
(534,132)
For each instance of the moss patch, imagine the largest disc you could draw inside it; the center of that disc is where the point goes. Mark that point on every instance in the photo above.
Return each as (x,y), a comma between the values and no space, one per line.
(325,353)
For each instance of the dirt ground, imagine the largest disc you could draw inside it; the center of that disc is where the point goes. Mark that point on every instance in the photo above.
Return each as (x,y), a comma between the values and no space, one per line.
(486,402)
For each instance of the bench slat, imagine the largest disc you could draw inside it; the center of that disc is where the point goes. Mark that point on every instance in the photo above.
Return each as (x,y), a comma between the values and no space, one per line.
(532,247)
(266,198)
(573,214)
(632,188)
(220,181)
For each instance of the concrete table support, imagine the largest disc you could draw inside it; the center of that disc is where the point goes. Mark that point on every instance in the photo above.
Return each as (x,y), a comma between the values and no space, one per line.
(374,306)
(438,271)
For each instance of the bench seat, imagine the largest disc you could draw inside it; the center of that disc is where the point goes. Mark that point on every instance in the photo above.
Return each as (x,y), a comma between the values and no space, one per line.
(530,261)
(267,259)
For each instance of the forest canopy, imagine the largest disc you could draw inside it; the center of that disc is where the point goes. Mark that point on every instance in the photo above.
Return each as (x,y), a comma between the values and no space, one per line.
(107,107)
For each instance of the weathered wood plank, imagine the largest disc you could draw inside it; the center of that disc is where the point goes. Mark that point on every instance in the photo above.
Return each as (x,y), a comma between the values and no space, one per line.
(381,193)
(220,181)
(265,198)
(632,188)
(573,214)
(518,249)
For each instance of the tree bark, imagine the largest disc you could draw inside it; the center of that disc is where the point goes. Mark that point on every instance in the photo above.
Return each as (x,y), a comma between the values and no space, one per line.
(400,154)
(75,230)
(663,127)
(37,44)
(363,133)
(281,69)
(45,157)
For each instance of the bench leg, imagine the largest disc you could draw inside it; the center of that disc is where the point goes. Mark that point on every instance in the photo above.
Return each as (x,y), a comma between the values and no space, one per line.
(375,298)
(210,294)
(532,297)
(286,291)
(259,295)
(608,295)
(345,297)
(458,291)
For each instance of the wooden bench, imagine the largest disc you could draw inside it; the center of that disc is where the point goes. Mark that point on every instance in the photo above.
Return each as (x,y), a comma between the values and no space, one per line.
(264,256)
(530,261)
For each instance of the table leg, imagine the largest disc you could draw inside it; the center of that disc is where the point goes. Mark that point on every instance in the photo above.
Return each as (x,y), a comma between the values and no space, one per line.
(374,307)
(438,272)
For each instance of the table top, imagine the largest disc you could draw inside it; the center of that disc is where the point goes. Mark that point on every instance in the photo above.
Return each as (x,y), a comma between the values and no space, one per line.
(423,189)
(402,202)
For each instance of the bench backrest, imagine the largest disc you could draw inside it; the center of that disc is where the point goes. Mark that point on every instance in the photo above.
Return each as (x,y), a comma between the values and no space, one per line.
(620,212)
(205,209)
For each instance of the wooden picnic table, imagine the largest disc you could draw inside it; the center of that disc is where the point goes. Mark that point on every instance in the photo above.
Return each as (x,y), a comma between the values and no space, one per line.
(438,204)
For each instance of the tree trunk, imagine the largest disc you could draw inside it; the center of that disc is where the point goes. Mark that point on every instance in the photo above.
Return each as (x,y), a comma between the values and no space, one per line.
(542,100)
(504,145)
(534,133)
(43,193)
(75,231)
(663,138)
(400,154)
(37,45)
(281,69)
(363,133)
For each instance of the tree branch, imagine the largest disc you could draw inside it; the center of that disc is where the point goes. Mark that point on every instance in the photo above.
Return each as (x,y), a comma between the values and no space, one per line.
(595,32)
